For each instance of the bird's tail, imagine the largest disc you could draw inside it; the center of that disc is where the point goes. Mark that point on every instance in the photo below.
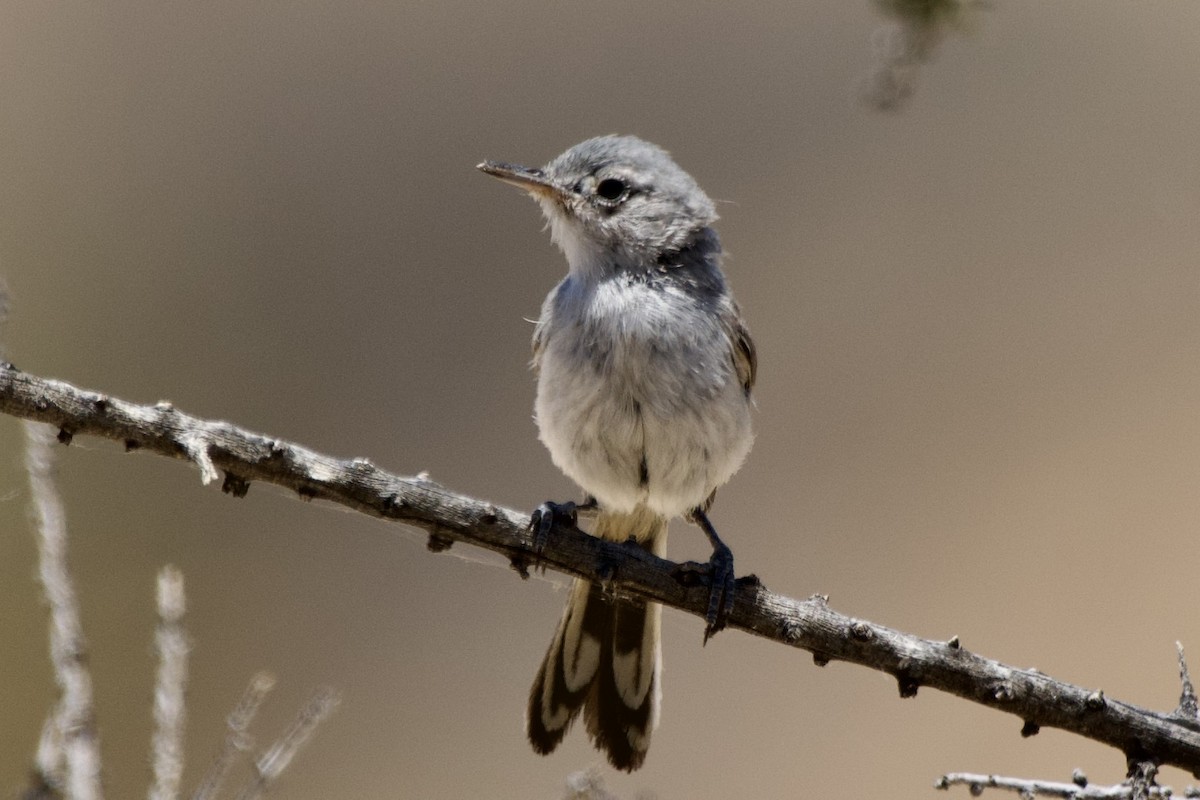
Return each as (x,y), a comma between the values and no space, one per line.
(605,659)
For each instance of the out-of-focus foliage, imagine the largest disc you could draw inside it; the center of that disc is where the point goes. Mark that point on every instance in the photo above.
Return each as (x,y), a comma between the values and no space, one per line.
(900,48)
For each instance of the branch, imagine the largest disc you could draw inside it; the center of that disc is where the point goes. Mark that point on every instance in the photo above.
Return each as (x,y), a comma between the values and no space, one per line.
(1038,700)
(1078,789)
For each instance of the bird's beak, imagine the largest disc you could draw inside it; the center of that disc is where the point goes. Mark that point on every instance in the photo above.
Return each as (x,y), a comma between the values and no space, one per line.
(530,179)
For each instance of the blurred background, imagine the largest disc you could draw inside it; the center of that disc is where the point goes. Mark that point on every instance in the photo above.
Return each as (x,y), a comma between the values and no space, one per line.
(968,257)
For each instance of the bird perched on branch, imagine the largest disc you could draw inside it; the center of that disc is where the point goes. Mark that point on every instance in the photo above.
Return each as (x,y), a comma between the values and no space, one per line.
(645,369)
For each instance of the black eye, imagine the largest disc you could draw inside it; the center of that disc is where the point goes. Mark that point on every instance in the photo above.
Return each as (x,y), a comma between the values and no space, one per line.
(611,189)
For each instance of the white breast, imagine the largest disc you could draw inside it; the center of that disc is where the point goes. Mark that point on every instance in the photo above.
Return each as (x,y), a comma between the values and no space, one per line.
(638,400)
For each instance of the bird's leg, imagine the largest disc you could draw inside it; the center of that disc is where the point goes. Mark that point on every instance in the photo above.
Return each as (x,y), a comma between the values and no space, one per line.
(549,514)
(720,577)
(588,508)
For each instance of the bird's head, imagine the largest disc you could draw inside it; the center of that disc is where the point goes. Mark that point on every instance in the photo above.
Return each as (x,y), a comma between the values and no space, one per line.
(614,202)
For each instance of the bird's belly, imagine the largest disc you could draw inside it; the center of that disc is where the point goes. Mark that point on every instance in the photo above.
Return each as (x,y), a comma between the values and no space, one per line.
(655,437)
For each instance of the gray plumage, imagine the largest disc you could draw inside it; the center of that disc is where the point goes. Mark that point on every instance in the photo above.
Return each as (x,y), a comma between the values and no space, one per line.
(644,377)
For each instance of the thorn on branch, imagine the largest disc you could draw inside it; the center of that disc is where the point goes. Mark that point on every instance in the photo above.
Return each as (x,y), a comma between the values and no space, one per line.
(606,570)
(1030,728)
(438,542)
(820,659)
(1078,778)
(689,574)
(790,630)
(1095,701)
(131,445)
(954,643)
(861,631)
(1003,691)
(750,581)
(1187,697)
(393,505)
(908,685)
(235,485)
(520,563)
(65,435)
(195,444)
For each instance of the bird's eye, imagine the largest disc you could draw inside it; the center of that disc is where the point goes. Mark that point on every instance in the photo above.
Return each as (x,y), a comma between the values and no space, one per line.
(611,189)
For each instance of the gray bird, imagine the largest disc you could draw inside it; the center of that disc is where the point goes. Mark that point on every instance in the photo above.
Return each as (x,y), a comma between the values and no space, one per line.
(644,376)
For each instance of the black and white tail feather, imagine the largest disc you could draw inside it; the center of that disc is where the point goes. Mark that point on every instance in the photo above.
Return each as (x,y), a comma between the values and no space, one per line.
(605,660)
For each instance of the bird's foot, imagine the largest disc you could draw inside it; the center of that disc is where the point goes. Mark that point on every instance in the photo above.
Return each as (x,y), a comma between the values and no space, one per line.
(718,574)
(543,521)
(721,590)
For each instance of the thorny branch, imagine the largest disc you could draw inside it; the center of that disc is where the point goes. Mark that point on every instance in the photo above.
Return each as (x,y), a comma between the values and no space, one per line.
(1078,789)
(1038,700)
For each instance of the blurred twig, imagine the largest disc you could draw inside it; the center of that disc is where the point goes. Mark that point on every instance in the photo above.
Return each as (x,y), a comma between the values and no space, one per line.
(1038,700)
(587,785)
(67,763)
(68,757)
(272,763)
(237,738)
(170,712)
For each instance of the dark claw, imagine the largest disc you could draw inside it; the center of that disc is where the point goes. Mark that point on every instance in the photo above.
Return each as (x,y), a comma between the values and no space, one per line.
(542,522)
(721,591)
(717,574)
(722,584)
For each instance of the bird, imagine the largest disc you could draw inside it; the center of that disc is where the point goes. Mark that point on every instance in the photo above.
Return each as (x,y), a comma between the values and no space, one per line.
(645,371)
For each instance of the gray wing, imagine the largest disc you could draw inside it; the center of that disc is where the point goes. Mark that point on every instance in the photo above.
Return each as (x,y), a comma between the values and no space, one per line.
(540,335)
(745,358)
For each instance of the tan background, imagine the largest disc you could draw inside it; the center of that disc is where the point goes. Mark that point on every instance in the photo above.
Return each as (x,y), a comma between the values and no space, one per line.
(977,319)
